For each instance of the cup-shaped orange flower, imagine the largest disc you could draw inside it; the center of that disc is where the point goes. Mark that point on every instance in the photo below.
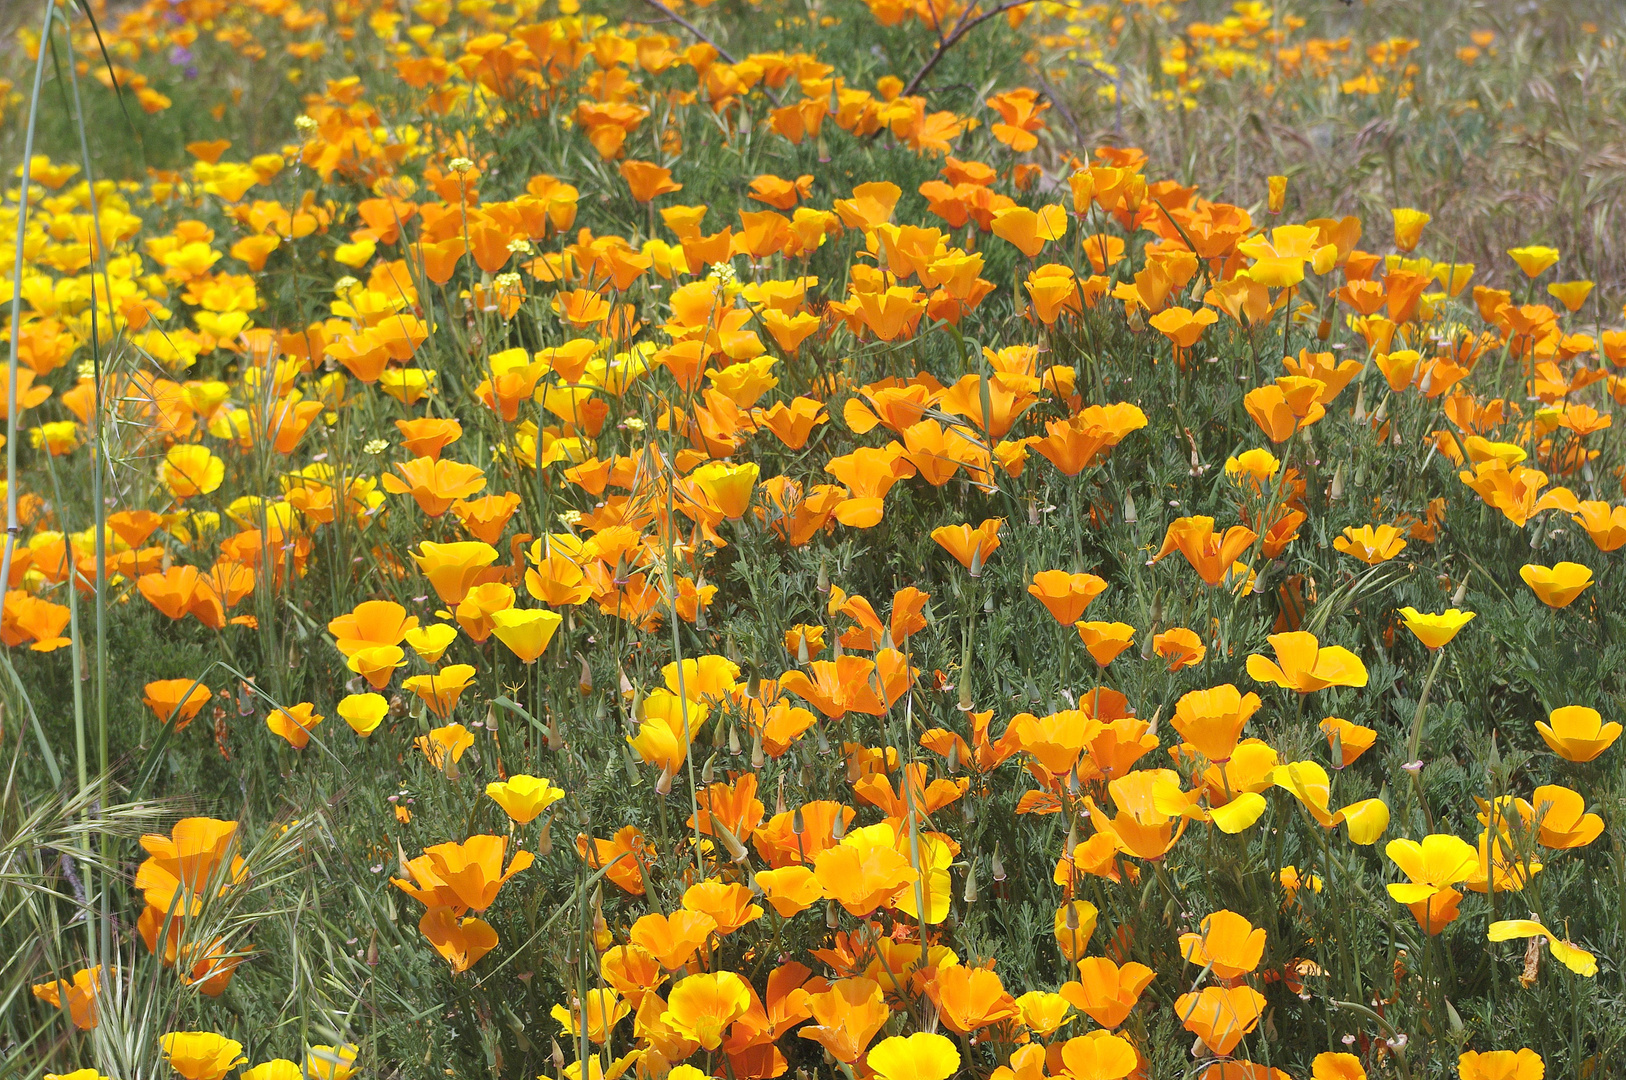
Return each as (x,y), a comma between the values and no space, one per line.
(647,180)
(1433,866)
(846,1017)
(1211,554)
(1435,631)
(1180,647)
(1372,544)
(460,941)
(1182,326)
(201,1055)
(294,723)
(525,632)
(1286,406)
(190,470)
(486,518)
(373,622)
(1303,665)
(1606,525)
(439,690)
(444,746)
(1558,585)
(1066,596)
(1409,226)
(701,1007)
(970,998)
(921,1056)
(1073,927)
(181,699)
(473,871)
(363,712)
(865,870)
(1220,1016)
(790,889)
(1106,992)
(1347,740)
(1212,720)
(1577,733)
(1228,941)
(1028,229)
(1099,1054)
(971,547)
(729,905)
(434,483)
(523,797)
(431,642)
(728,485)
(428,436)
(1105,640)
(377,663)
(670,723)
(1523,1064)
(673,939)
(454,569)
(1560,818)
(1534,259)
(77,997)
(1152,812)
(1330,1066)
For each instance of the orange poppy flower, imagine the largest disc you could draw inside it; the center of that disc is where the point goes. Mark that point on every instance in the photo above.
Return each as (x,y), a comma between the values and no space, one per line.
(921,1056)
(1577,733)
(673,939)
(1228,942)
(1147,824)
(1523,1064)
(454,569)
(372,623)
(1303,665)
(440,690)
(435,483)
(1106,992)
(1105,640)
(1346,740)
(1556,586)
(970,998)
(852,683)
(1181,647)
(177,699)
(463,876)
(729,906)
(701,1007)
(625,855)
(78,997)
(1292,402)
(461,942)
(1064,595)
(1372,544)
(1210,554)
(846,1016)
(970,546)
(1212,720)
(294,723)
(647,180)
(1220,1016)
(428,436)
(1605,525)
(1030,230)
(865,870)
